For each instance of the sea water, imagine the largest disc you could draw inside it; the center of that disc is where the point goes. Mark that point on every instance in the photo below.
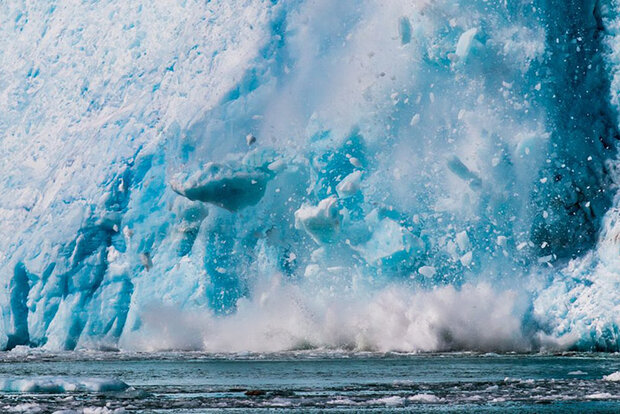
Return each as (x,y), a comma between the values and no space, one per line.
(310,381)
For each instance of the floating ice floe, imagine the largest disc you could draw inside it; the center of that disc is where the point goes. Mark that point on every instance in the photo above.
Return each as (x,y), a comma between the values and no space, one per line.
(59,385)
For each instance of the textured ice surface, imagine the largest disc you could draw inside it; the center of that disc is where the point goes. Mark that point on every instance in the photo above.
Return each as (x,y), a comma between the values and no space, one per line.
(259,175)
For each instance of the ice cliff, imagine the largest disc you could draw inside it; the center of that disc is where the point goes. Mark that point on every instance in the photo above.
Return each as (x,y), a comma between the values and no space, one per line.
(267,175)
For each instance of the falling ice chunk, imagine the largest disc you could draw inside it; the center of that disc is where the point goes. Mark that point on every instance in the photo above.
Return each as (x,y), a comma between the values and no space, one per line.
(545,259)
(462,240)
(145,259)
(355,162)
(464,45)
(321,222)
(466,259)
(404,29)
(349,185)
(230,186)
(250,139)
(427,271)
(390,243)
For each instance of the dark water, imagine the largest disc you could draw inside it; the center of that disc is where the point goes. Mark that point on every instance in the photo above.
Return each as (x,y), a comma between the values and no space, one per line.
(320,382)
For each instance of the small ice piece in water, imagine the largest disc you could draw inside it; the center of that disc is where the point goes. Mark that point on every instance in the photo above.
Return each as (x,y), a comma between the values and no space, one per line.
(341,401)
(599,396)
(424,398)
(349,185)
(58,385)
(614,377)
(389,401)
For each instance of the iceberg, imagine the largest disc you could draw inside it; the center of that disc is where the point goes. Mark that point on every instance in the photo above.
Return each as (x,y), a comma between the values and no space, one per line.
(209,170)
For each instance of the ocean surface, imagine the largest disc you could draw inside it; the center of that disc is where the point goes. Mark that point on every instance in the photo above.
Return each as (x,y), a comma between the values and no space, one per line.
(308,381)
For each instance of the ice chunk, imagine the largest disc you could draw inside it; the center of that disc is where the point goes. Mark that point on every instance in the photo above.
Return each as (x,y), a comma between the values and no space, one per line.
(462,240)
(404,29)
(614,377)
(464,45)
(389,239)
(349,185)
(321,222)
(250,139)
(427,271)
(466,259)
(58,385)
(230,187)
(388,401)
(424,398)
(461,170)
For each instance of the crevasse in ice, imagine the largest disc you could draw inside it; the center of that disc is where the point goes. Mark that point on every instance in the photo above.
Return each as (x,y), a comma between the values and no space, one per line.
(263,175)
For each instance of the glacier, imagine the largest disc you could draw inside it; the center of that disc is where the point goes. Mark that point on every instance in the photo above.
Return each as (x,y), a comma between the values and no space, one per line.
(262,175)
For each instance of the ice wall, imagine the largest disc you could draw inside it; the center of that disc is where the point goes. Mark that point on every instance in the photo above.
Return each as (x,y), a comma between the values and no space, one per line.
(261,175)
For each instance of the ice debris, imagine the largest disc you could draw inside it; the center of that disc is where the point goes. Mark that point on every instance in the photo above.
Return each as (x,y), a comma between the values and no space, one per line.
(321,222)
(58,385)
(231,186)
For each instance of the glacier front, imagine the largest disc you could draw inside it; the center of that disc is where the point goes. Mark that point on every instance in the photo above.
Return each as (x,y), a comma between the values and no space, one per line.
(269,175)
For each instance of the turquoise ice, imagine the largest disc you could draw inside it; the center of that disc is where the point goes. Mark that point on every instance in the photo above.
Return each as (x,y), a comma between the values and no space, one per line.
(263,175)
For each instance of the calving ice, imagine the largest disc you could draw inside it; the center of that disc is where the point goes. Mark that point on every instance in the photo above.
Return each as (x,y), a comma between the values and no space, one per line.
(265,176)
